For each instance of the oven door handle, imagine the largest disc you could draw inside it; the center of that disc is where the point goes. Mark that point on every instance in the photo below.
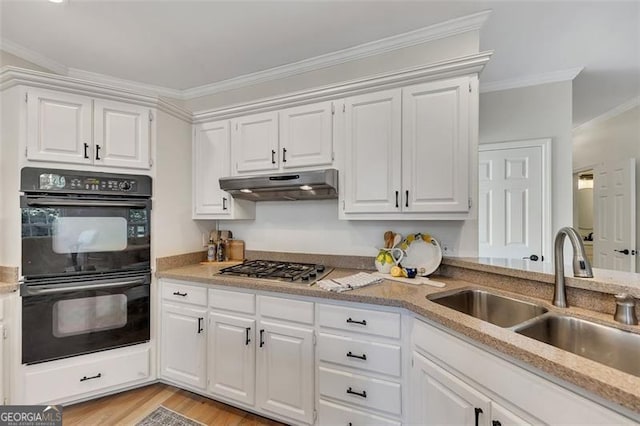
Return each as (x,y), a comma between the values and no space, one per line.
(49,202)
(53,289)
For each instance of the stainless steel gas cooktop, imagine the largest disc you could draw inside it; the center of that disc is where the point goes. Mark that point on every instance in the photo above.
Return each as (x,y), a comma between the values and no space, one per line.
(300,273)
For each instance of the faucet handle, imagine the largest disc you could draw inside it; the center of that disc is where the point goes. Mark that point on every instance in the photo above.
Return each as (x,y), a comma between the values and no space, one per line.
(625,309)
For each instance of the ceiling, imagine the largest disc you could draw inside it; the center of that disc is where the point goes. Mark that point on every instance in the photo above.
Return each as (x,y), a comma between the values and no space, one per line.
(182,44)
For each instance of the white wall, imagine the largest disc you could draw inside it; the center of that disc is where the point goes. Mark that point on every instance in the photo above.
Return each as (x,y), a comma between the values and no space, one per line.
(615,139)
(174,232)
(313,227)
(543,111)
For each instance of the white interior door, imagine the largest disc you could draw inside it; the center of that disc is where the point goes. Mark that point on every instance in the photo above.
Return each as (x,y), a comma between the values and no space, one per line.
(511,209)
(614,242)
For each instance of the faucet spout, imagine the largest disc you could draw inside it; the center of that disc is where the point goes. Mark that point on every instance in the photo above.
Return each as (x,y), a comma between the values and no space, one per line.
(581,265)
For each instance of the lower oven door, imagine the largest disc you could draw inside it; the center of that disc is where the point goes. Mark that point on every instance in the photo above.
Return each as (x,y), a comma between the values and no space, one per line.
(64,320)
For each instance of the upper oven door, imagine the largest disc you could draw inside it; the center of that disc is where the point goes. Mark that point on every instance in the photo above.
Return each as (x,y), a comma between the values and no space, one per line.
(72,236)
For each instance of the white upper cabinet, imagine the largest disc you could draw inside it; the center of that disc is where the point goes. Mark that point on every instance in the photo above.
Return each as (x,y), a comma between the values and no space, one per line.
(77,129)
(435,148)
(373,145)
(298,137)
(211,161)
(121,134)
(59,127)
(407,152)
(255,142)
(306,135)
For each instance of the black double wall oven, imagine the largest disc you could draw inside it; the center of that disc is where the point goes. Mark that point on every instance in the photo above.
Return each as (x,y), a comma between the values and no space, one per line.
(85,262)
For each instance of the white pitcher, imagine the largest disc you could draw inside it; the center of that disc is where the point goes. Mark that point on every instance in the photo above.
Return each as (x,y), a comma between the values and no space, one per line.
(388,257)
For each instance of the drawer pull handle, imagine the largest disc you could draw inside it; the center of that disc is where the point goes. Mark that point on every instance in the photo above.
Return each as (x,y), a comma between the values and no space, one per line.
(247,340)
(262,338)
(495,423)
(363,356)
(477,412)
(177,293)
(200,329)
(86,148)
(363,322)
(362,394)
(97,152)
(85,378)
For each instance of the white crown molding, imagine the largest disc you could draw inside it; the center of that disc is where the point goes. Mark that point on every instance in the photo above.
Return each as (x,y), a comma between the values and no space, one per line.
(444,69)
(449,28)
(126,84)
(530,80)
(622,108)
(13,76)
(32,56)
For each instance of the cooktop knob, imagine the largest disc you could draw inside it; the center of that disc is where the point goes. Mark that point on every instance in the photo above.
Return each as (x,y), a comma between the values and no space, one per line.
(320,268)
(305,278)
(312,274)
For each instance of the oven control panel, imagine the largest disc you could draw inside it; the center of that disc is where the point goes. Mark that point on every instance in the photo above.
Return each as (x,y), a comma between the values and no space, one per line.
(52,181)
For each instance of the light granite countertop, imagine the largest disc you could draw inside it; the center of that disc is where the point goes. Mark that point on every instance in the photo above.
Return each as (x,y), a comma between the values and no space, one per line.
(611,384)
(7,287)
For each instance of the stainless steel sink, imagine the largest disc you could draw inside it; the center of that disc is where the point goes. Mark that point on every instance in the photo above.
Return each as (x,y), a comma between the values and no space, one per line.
(498,310)
(607,345)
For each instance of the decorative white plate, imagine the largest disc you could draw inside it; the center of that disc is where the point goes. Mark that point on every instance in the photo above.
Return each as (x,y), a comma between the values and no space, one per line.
(422,252)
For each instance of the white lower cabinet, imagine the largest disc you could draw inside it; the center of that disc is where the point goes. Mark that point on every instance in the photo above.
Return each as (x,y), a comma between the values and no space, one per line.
(79,377)
(183,345)
(285,370)
(232,357)
(452,380)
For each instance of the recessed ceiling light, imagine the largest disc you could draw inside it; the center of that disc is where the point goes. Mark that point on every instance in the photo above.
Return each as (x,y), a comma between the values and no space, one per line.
(246,191)
(58,1)
(306,188)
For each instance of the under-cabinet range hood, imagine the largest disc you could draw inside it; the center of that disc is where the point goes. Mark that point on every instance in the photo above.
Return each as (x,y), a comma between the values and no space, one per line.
(308,185)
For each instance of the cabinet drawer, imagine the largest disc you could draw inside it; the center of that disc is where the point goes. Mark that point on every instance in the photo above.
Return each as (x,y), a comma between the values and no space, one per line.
(377,357)
(334,414)
(75,377)
(361,390)
(184,293)
(232,301)
(386,324)
(286,309)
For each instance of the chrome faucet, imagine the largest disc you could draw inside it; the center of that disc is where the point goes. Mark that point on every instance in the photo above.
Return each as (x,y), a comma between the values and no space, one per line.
(581,265)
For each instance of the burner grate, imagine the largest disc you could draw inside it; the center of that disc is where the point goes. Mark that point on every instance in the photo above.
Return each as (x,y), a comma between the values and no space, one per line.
(283,271)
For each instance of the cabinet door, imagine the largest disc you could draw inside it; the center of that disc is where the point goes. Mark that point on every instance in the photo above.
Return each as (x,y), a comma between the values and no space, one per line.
(183,344)
(58,127)
(306,135)
(232,357)
(435,146)
(440,398)
(285,371)
(373,153)
(121,135)
(255,142)
(211,161)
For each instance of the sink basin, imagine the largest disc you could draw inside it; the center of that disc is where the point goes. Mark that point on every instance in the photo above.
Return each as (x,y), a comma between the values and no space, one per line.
(607,345)
(498,310)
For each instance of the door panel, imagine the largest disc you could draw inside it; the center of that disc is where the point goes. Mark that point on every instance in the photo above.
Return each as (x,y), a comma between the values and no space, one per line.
(510,210)
(232,357)
(285,371)
(255,142)
(121,135)
(306,135)
(183,345)
(211,159)
(435,149)
(615,215)
(58,127)
(373,147)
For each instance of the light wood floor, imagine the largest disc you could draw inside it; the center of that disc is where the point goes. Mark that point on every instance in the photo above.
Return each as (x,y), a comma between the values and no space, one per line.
(128,408)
